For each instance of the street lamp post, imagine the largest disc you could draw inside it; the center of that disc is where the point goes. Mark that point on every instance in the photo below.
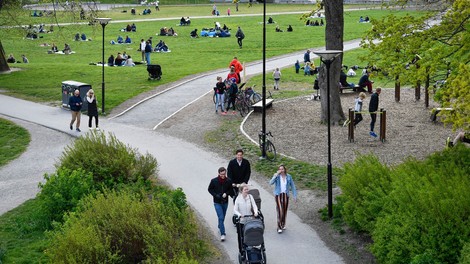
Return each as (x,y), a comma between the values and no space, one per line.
(103,21)
(263,117)
(327,57)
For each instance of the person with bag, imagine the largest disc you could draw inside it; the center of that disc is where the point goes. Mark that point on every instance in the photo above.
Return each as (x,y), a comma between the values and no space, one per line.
(220,188)
(240,36)
(282,183)
(92,108)
(245,205)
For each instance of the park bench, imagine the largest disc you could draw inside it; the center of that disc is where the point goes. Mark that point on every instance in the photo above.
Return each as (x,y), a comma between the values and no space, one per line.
(355,88)
(258,107)
(436,111)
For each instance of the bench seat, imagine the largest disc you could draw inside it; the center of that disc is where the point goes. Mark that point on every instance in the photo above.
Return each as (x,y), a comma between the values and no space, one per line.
(258,107)
(355,88)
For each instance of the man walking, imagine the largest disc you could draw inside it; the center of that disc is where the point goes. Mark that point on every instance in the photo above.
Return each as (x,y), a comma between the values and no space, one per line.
(75,104)
(307,56)
(373,106)
(220,188)
(240,36)
(148,50)
(238,171)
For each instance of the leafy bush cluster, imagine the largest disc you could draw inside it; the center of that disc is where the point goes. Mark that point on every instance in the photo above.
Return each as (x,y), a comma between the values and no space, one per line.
(108,159)
(416,212)
(125,227)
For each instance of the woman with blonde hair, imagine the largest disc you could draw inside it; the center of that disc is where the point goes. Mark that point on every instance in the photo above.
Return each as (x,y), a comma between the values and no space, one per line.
(245,205)
(92,108)
(282,183)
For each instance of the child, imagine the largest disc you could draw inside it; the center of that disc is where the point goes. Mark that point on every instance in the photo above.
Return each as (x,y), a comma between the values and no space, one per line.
(358,108)
(219,91)
(297,66)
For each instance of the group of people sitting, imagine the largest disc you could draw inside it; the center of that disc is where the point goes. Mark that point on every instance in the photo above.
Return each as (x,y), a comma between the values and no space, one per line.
(309,68)
(161,47)
(121,60)
(130,28)
(289,29)
(146,11)
(120,40)
(212,32)
(314,23)
(81,37)
(185,21)
(364,20)
(33,31)
(11,59)
(164,31)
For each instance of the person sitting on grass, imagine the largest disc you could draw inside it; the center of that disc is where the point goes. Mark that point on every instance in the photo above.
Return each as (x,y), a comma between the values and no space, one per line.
(133,27)
(111,60)
(25,60)
(77,37)
(119,61)
(128,40)
(11,59)
(290,29)
(128,28)
(129,62)
(67,49)
(193,33)
(183,21)
(270,20)
(54,48)
(120,40)
(171,32)
(278,29)
(163,31)
(83,37)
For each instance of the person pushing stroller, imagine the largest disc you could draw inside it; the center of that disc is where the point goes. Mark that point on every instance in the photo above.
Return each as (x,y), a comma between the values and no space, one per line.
(244,207)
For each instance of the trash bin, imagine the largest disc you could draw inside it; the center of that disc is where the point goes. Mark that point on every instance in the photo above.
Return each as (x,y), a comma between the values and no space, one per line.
(69,87)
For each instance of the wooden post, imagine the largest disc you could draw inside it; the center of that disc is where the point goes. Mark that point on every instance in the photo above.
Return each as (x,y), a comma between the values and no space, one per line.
(397,89)
(383,124)
(418,91)
(351,125)
(426,92)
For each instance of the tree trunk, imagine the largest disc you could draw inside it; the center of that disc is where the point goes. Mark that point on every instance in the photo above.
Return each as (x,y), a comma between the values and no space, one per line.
(334,41)
(3,61)
(397,89)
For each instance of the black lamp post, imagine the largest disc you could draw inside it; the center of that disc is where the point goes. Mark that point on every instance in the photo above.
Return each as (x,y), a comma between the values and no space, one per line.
(263,118)
(103,21)
(327,57)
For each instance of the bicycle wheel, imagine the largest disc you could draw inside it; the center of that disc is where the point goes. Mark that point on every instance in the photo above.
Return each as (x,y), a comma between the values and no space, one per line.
(255,98)
(244,108)
(270,151)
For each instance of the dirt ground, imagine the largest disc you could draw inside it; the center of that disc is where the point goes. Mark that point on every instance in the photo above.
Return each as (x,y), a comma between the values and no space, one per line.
(297,131)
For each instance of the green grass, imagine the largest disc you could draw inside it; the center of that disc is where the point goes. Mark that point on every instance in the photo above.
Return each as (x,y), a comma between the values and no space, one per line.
(13,141)
(40,79)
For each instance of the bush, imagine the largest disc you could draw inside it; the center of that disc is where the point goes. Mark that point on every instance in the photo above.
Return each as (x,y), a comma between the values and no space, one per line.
(465,254)
(124,227)
(110,161)
(62,191)
(365,185)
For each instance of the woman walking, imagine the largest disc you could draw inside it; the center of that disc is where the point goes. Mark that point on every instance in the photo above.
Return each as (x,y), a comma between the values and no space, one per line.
(277,78)
(282,183)
(92,108)
(219,90)
(245,205)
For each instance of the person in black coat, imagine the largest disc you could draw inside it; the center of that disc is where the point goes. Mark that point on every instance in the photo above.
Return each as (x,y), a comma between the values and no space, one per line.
(238,171)
(92,108)
(220,188)
(373,107)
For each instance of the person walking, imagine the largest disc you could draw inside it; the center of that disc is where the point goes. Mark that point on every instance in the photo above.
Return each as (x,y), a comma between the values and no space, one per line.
(307,56)
(373,107)
(142,49)
(220,188)
(282,183)
(219,91)
(75,104)
(358,108)
(245,205)
(157,5)
(240,36)
(148,50)
(92,108)
(277,78)
(238,171)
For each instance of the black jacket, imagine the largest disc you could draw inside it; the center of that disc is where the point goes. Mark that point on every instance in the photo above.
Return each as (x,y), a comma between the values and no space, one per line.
(216,189)
(374,102)
(239,174)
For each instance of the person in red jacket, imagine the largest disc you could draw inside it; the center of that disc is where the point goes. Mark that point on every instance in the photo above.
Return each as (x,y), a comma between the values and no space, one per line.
(238,67)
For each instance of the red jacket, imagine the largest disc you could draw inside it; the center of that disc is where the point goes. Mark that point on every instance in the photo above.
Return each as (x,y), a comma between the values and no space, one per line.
(238,66)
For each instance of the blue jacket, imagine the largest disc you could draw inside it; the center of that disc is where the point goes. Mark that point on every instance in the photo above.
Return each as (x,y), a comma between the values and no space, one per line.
(73,101)
(277,185)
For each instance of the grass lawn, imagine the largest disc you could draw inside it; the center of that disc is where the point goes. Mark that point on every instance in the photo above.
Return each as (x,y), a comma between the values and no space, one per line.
(40,79)
(13,141)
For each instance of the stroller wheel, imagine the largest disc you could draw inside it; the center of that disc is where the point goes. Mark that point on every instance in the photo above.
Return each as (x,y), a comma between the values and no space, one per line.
(240,259)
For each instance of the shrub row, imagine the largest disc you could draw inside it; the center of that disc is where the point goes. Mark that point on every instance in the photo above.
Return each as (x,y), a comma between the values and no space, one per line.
(416,212)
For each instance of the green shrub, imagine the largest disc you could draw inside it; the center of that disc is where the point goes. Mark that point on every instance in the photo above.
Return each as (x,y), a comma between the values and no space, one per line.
(427,211)
(125,227)
(110,161)
(62,191)
(465,254)
(365,185)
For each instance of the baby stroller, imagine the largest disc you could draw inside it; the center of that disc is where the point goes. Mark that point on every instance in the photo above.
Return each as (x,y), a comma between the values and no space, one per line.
(253,250)
(155,72)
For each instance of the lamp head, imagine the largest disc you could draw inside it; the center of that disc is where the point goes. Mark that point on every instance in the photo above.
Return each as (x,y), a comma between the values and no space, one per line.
(103,20)
(328,55)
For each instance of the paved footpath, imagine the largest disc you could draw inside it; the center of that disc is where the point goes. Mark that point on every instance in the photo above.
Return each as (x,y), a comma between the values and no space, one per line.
(182,164)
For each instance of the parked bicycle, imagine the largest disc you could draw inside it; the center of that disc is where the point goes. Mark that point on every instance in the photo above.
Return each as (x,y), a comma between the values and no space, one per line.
(270,149)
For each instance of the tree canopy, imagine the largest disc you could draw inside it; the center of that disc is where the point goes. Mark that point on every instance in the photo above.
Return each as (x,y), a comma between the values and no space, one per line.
(431,47)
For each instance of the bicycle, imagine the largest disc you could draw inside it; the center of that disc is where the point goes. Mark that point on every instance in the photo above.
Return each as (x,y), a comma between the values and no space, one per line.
(270,149)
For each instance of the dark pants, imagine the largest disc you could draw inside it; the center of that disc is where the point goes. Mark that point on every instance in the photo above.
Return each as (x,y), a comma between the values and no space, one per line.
(358,118)
(240,236)
(231,101)
(239,40)
(373,118)
(90,118)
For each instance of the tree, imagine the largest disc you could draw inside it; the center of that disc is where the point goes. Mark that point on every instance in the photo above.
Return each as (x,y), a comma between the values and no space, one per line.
(428,46)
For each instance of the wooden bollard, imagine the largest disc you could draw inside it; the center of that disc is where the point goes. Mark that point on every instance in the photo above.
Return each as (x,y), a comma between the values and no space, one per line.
(351,125)
(383,124)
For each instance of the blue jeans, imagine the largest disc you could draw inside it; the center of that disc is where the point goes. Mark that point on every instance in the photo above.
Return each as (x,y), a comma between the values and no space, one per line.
(147,57)
(219,102)
(221,210)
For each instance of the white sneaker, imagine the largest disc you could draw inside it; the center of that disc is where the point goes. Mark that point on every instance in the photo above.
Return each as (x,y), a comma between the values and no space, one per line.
(222,238)
(279,231)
